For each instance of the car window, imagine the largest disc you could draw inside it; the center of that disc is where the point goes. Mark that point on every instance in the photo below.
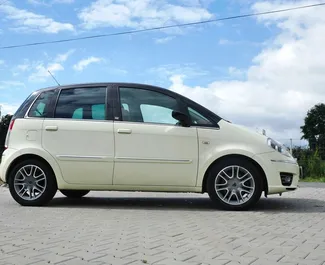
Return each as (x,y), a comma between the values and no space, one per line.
(152,113)
(197,118)
(82,103)
(41,105)
(142,105)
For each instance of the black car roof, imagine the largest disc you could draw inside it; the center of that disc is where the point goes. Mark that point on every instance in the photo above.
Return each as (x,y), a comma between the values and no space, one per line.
(92,84)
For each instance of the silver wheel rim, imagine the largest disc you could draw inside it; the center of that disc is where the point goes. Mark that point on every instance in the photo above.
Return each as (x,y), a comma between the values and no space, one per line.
(234,185)
(30,182)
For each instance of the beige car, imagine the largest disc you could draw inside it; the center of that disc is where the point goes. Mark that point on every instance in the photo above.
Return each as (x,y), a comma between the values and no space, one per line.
(133,137)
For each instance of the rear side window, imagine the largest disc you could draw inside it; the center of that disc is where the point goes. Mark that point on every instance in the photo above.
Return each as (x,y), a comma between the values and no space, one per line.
(41,106)
(82,104)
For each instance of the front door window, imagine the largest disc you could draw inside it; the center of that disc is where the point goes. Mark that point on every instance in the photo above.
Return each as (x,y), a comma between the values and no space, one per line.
(140,105)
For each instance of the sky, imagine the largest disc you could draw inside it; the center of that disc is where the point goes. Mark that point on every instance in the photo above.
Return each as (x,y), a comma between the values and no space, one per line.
(263,72)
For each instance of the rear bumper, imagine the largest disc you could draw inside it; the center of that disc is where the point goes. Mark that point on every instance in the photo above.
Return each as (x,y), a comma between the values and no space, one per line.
(275,164)
(7,157)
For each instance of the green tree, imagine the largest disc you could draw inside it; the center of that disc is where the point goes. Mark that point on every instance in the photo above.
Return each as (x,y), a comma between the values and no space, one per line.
(4,125)
(314,128)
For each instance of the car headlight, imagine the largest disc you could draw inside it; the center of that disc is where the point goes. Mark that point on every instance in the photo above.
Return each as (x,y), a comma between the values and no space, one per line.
(278,147)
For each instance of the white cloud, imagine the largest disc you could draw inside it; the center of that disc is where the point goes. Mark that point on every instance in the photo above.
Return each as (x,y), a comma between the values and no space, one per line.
(81,65)
(26,21)
(23,67)
(285,79)
(48,3)
(188,69)
(235,72)
(38,70)
(63,1)
(37,2)
(64,56)
(7,108)
(224,42)
(238,42)
(139,13)
(41,73)
(164,40)
(11,84)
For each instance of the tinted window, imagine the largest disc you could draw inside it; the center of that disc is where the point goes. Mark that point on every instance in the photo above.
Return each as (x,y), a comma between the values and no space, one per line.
(197,118)
(140,105)
(82,103)
(41,106)
(20,113)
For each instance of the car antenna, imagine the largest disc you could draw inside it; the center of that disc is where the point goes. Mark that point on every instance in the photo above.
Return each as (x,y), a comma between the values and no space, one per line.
(54,78)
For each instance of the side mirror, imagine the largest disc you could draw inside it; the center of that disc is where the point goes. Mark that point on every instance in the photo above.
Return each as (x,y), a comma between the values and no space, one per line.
(182,118)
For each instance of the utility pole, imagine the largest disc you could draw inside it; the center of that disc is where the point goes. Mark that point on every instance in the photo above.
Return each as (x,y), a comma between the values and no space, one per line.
(291,146)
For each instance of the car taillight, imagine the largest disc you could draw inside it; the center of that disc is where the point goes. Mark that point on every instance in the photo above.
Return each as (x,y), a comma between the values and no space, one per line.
(11,126)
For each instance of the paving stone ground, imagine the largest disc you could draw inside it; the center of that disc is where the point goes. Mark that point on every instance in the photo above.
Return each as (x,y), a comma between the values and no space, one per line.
(164,229)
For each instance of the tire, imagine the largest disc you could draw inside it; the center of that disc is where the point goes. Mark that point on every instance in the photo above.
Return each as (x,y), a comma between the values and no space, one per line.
(30,177)
(233,193)
(75,194)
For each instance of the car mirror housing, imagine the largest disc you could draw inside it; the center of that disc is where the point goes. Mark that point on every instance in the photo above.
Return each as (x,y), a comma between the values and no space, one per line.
(182,118)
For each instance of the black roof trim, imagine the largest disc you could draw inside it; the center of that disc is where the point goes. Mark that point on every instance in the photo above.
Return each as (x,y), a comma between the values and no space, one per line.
(91,84)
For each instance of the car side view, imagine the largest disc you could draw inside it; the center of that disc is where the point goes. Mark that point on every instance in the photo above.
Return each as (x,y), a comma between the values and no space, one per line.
(135,137)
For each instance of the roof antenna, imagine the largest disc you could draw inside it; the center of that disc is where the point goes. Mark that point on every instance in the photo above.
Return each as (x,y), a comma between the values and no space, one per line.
(54,78)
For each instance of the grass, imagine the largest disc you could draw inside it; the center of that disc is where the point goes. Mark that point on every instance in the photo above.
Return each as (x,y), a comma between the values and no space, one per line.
(310,179)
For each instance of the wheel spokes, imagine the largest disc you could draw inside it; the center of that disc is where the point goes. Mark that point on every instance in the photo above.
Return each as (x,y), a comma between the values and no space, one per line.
(224,175)
(30,182)
(234,185)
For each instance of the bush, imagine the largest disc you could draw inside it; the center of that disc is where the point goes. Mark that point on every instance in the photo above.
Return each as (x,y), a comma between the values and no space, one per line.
(4,125)
(312,164)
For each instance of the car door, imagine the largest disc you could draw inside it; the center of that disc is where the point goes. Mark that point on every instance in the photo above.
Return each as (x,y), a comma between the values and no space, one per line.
(151,149)
(80,135)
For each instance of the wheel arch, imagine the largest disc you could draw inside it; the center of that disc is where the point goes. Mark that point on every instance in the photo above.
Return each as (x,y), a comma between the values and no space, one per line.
(256,164)
(26,157)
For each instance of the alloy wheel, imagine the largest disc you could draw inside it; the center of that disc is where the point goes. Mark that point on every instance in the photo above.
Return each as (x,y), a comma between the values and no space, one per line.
(30,182)
(234,185)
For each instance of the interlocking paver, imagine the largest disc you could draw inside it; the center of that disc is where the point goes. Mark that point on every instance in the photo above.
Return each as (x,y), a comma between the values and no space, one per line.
(163,229)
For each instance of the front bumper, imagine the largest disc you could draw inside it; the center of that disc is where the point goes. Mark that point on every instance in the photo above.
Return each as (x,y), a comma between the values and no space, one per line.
(274,165)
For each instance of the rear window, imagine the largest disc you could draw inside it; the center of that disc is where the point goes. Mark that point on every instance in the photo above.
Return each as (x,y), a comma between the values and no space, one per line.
(21,111)
(42,104)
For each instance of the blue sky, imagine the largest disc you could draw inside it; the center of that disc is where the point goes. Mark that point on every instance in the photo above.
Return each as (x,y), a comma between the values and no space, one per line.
(210,63)
(206,50)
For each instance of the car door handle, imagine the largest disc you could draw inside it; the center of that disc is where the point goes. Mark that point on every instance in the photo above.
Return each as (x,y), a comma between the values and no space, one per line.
(51,128)
(124,131)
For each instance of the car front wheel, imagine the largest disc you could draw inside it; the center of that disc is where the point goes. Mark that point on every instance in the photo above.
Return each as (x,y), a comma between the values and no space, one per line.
(75,194)
(32,183)
(234,184)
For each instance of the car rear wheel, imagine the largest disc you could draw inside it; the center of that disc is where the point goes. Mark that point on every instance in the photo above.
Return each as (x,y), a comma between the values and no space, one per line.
(32,183)
(234,184)
(74,193)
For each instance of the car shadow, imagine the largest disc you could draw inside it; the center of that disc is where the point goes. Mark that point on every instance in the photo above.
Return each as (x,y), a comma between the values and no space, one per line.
(269,205)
